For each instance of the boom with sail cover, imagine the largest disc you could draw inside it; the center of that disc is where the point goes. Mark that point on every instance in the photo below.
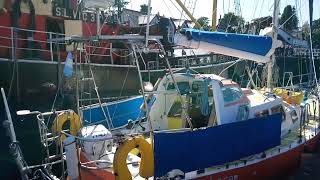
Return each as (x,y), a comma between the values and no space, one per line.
(244,46)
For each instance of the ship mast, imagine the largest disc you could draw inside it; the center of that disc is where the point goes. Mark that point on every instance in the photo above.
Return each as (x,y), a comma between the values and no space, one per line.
(148,24)
(193,19)
(275,22)
(214,15)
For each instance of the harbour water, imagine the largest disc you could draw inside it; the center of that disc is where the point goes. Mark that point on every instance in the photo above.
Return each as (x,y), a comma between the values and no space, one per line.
(28,137)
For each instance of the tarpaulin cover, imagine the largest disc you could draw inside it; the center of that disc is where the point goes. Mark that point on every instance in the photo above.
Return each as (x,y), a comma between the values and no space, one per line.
(255,44)
(190,151)
(120,112)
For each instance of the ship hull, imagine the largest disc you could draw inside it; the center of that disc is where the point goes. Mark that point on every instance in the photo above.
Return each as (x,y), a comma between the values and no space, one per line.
(312,145)
(272,168)
(37,78)
(40,79)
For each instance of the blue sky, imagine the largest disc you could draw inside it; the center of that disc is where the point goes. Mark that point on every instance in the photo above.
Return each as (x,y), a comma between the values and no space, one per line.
(250,8)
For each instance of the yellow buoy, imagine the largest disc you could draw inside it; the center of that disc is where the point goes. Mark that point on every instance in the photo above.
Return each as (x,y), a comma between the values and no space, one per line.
(61,120)
(120,167)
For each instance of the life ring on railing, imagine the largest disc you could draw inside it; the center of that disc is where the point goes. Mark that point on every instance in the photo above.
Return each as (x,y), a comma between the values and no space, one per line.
(120,167)
(61,120)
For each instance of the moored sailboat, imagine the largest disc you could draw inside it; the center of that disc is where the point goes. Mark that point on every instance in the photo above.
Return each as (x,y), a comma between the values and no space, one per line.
(200,126)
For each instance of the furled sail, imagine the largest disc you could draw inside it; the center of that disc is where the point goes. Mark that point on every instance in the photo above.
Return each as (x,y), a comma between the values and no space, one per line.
(244,46)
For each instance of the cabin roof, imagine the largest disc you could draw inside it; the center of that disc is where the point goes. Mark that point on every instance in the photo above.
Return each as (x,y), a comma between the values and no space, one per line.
(224,81)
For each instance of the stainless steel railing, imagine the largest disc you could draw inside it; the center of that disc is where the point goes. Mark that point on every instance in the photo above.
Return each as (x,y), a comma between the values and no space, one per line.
(19,43)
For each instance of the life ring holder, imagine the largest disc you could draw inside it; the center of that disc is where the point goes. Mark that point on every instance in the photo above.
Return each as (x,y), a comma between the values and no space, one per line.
(61,120)
(120,167)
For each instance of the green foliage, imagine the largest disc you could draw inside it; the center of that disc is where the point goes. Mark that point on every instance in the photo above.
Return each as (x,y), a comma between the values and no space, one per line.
(305,31)
(204,22)
(316,33)
(230,23)
(289,19)
(119,5)
(144,9)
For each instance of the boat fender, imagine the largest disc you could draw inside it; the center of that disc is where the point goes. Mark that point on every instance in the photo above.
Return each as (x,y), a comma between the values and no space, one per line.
(61,120)
(176,174)
(120,168)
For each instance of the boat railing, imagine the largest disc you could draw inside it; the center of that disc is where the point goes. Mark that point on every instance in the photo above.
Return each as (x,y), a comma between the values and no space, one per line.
(26,44)
(297,52)
(19,43)
(289,80)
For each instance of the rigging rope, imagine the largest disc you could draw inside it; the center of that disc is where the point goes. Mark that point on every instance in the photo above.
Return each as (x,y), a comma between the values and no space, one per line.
(182,12)
(177,8)
(204,100)
(164,1)
(120,94)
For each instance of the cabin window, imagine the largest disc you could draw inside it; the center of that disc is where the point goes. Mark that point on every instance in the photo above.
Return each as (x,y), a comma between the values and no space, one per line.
(294,116)
(263,113)
(183,87)
(176,109)
(231,94)
(175,115)
(278,109)
(197,86)
(243,113)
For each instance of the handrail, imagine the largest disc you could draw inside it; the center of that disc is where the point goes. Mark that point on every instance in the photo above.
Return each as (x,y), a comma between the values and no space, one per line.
(6,27)
(17,45)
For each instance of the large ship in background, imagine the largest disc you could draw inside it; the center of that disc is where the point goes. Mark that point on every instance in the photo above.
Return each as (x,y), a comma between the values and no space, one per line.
(31,61)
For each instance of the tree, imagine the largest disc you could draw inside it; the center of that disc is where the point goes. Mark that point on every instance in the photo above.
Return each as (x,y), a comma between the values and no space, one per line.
(230,23)
(316,33)
(144,9)
(289,19)
(119,5)
(204,23)
(305,31)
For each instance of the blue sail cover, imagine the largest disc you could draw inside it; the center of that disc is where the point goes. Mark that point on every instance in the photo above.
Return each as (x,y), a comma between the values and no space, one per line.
(190,151)
(255,44)
(120,112)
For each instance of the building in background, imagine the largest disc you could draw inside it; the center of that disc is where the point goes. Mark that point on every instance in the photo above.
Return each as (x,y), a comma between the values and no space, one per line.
(130,17)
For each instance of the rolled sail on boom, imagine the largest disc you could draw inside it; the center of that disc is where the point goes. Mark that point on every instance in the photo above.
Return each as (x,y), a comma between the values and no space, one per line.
(244,46)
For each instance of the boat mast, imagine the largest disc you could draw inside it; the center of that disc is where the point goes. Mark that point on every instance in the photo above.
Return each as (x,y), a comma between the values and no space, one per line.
(275,22)
(193,19)
(214,15)
(98,21)
(312,68)
(148,24)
